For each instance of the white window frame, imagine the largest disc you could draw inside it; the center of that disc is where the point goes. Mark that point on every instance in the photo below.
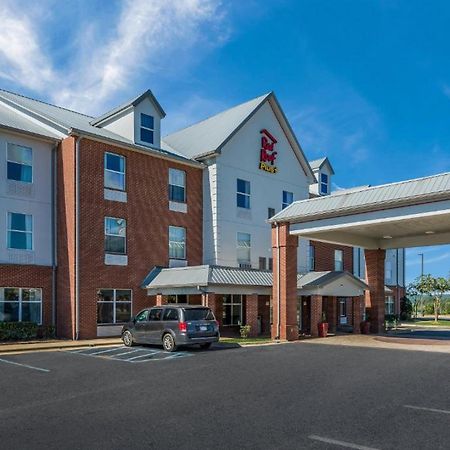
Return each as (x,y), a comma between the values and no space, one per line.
(114,303)
(336,260)
(241,261)
(8,230)
(389,303)
(172,170)
(245,194)
(20,301)
(177,242)
(311,257)
(233,303)
(283,204)
(15,162)
(115,171)
(146,128)
(116,235)
(324,183)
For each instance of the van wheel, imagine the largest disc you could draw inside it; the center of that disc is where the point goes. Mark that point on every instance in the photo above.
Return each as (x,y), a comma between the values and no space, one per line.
(205,346)
(169,343)
(127,339)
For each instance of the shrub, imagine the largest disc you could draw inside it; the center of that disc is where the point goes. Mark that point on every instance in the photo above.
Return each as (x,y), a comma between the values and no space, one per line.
(245,331)
(22,331)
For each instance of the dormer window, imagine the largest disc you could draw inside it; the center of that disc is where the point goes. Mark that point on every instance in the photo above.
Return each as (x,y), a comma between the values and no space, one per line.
(323,183)
(147,128)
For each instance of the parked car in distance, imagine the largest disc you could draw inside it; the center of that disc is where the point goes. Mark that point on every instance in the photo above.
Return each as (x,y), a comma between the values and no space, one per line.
(172,326)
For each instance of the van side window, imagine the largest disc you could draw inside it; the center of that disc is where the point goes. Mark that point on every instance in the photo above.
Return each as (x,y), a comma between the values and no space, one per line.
(142,317)
(170,314)
(155,314)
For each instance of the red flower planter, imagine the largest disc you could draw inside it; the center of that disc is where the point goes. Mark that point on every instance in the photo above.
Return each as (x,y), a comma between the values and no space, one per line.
(323,329)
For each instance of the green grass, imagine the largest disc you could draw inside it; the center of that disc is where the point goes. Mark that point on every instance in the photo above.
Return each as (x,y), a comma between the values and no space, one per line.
(240,341)
(431,322)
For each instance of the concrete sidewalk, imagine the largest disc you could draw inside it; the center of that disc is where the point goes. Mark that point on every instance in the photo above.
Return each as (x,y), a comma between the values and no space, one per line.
(55,344)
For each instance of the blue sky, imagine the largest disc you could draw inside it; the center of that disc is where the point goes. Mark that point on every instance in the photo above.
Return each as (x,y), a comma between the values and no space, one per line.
(365,82)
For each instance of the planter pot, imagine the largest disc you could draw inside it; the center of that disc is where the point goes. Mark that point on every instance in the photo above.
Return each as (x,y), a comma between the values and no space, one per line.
(365,327)
(323,329)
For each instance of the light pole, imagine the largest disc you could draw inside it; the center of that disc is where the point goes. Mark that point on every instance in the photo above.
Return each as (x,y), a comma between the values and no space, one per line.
(421,265)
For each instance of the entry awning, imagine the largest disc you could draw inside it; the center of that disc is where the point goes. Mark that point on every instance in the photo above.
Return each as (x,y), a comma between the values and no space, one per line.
(221,279)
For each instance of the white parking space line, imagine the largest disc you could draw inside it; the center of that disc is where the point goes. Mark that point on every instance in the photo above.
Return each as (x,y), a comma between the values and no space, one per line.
(423,408)
(340,443)
(40,369)
(141,356)
(126,353)
(103,351)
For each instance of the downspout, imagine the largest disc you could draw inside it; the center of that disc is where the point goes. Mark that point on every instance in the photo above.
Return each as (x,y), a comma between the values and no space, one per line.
(77,238)
(398,286)
(54,231)
(278,283)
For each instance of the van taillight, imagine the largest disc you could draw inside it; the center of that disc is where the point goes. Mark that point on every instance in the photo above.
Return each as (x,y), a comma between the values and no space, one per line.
(182,326)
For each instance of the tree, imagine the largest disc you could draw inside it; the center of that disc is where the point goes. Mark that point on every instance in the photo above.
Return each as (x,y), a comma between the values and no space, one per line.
(435,288)
(414,296)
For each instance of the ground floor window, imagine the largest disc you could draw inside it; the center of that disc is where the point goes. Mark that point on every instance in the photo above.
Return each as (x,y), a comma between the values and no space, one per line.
(232,309)
(113,306)
(20,305)
(389,305)
(343,311)
(178,298)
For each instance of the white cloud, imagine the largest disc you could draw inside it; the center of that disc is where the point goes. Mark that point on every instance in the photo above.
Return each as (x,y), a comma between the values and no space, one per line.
(148,36)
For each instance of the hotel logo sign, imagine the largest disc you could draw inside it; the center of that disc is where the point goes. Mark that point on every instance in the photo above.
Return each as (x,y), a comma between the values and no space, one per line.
(268,154)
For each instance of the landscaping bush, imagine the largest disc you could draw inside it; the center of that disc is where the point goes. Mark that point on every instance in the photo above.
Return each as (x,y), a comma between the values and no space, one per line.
(23,331)
(245,331)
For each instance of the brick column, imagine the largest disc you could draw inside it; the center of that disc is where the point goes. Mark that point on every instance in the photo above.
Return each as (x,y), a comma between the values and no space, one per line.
(332,314)
(284,247)
(316,314)
(161,299)
(375,280)
(211,300)
(251,313)
(357,305)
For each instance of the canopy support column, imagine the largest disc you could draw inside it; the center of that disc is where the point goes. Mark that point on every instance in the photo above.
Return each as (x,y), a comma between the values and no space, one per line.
(375,280)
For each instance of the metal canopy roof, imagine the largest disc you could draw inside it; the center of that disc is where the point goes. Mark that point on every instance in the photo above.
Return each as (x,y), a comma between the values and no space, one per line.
(405,214)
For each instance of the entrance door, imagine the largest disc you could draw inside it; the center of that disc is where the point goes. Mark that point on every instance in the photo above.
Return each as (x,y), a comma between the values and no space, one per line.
(304,309)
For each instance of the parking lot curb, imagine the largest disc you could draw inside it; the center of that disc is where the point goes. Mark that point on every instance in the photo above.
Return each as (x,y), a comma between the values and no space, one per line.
(55,345)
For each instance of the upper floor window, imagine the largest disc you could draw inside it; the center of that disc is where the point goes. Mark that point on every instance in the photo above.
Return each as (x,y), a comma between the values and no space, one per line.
(114,171)
(243,194)
(270,212)
(177,185)
(323,183)
(311,258)
(177,242)
(388,270)
(338,260)
(19,163)
(288,198)
(115,235)
(243,248)
(147,128)
(20,231)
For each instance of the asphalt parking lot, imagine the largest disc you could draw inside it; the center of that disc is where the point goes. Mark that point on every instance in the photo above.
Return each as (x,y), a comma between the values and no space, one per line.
(283,396)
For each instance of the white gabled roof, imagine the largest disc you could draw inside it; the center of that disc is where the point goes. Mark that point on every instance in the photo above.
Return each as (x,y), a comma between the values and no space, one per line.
(209,136)
(403,193)
(318,163)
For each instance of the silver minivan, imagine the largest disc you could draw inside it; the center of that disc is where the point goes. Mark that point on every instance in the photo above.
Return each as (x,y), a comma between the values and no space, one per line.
(172,326)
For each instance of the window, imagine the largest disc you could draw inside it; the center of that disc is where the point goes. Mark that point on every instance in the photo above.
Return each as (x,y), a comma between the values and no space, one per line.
(178,298)
(114,306)
(243,194)
(270,212)
(270,263)
(20,231)
(177,243)
(338,260)
(262,263)
(147,128)
(115,235)
(177,185)
(170,314)
(323,183)
(19,163)
(288,198)
(343,311)
(155,314)
(389,305)
(114,171)
(21,305)
(388,270)
(311,257)
(243,248)
(232,309)
(198,314)
(142,316)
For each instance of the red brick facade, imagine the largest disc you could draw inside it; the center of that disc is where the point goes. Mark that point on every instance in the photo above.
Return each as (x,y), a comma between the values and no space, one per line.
(376,295)
(324,256)
(148,218)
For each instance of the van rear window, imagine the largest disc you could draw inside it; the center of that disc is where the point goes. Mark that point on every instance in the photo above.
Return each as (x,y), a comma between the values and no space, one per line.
(198,314)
